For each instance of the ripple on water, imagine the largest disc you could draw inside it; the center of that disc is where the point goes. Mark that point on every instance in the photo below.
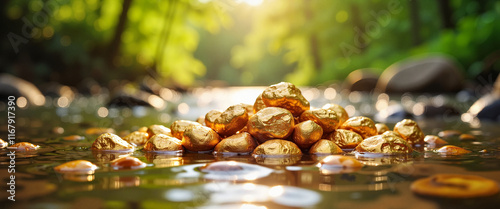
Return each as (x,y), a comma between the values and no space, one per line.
(234,171)
(223,194)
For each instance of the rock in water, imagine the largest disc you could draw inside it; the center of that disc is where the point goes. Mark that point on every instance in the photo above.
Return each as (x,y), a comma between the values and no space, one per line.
(14,86)
(429,74)
(361,80)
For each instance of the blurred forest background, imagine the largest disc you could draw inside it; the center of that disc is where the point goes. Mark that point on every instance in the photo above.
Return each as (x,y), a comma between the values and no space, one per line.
(185,43)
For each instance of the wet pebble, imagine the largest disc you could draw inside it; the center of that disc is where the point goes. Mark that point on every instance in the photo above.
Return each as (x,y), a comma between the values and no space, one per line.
(76,166)
(127,162)
(24,146)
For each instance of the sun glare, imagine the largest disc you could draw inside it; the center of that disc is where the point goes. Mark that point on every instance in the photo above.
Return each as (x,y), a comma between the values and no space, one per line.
(253,2)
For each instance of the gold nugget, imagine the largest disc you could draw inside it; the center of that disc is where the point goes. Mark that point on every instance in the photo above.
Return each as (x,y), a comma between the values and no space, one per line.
(324,146)
(364,126)
(111,142)
(199,138)
(325,118)
(285,95)
(143,129)
(467,137)
(238,143)
(339,110)
(389,143)
(228,122)
(162,142)
(434,140)
(259,104)
(455,186)
(307,133)
(271,123)
(452,150)
(127,162)
(277,147)
(179,126)
(24,146)
(381,128)
(137,138)
(76,166)
(410,131)
(345,139)
(158,129)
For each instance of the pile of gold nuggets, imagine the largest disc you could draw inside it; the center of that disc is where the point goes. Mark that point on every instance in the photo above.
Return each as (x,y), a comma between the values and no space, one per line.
(280,123)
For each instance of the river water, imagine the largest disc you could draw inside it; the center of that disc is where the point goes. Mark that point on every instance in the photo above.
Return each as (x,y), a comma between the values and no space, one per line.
(178,181)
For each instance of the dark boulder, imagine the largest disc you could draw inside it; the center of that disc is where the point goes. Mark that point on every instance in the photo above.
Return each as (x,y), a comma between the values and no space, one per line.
(429,74)
(13,86)
(361,80)
(488,106)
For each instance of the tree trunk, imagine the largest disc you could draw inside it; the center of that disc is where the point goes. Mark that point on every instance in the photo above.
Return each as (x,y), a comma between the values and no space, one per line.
(165,34)
(114,47)
(415,22)
(446,13)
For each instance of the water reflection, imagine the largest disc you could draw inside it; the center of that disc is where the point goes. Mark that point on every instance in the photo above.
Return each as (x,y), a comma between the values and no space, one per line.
(106,157)
(234,171)
(118,182)
(277,161)
(161,160)
(222,194)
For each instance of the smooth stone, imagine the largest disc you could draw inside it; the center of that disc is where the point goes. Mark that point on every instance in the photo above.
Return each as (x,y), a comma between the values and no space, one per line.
(429,74)
(361,80)
(13,86)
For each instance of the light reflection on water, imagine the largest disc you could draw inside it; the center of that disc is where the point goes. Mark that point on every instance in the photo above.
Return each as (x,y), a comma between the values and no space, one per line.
(172,180)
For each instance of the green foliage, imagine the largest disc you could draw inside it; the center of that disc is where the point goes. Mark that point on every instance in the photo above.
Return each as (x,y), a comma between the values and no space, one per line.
(306,42)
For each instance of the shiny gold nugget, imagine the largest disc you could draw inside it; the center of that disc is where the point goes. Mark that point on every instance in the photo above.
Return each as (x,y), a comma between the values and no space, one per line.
(364,126)
(345,139)
(410,131)
(162,142)
(389,143)
(277,147)
(324,146)
(307,133)
(259,104)
(285,95)
(111,142)
(24,146)
(325,118)
(452,150)
(228,122)
(76,166)
(434,140)
(381,128)
(199,138)
(179,126)
(238,143)
(271,123)
(137,138)
(339,110)
(158,129)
